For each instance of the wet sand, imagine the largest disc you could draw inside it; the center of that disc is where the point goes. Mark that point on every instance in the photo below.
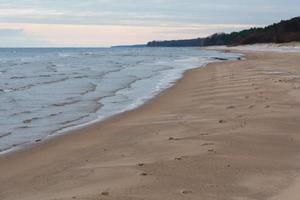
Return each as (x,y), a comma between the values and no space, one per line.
(226,131)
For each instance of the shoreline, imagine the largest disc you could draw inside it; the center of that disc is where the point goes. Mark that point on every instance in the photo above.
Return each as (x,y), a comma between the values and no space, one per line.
(216,133)
(82,127)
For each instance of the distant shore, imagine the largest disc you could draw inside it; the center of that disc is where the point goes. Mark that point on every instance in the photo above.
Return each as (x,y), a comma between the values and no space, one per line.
(226,131)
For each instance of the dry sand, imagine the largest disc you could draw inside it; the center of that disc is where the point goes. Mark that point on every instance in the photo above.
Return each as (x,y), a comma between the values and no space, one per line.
(226,131)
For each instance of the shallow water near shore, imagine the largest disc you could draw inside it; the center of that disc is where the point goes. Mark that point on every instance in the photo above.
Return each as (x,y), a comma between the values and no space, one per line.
(44,92)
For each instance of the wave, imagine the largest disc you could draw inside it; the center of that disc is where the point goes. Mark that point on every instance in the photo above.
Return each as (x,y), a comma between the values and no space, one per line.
(5,134)
(65,103)
(92,88)
(83,86)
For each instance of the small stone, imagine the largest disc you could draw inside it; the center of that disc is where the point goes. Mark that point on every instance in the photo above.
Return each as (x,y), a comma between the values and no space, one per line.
(221,121)
(38,140)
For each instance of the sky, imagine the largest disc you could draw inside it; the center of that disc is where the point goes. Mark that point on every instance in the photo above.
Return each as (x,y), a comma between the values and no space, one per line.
(102,23)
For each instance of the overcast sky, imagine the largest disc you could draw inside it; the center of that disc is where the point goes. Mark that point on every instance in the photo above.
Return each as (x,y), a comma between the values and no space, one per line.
(113,22)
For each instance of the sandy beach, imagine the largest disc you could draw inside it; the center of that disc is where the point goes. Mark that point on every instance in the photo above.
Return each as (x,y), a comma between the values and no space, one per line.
(226,131)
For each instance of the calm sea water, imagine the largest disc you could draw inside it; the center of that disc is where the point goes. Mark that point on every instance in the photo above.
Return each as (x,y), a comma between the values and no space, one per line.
(46,91)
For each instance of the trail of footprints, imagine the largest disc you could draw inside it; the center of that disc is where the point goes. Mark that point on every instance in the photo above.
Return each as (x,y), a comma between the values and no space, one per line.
(252,101)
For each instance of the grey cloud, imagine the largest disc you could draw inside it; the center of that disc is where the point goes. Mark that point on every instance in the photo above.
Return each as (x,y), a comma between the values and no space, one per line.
(155,12)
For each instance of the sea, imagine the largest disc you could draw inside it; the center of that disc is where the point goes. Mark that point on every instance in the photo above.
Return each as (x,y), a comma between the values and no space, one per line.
(45,92)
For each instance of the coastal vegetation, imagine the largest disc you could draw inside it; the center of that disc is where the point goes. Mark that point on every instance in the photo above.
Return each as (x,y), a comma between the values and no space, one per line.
(284,31)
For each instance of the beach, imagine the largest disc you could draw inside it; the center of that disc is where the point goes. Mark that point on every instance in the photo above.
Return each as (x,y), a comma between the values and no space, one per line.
(225,131)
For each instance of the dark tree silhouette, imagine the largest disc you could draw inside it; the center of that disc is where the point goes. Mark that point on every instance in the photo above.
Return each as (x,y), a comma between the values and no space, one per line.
(284,31)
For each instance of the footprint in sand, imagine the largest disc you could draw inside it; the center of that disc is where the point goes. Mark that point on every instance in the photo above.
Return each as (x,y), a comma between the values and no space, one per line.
(208,144)
(172,138)
(178,158)
(105,193)
(211,185)
(230,107)
(204,134)
(251,106)
(185,192)
(212,150)
(143,174)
